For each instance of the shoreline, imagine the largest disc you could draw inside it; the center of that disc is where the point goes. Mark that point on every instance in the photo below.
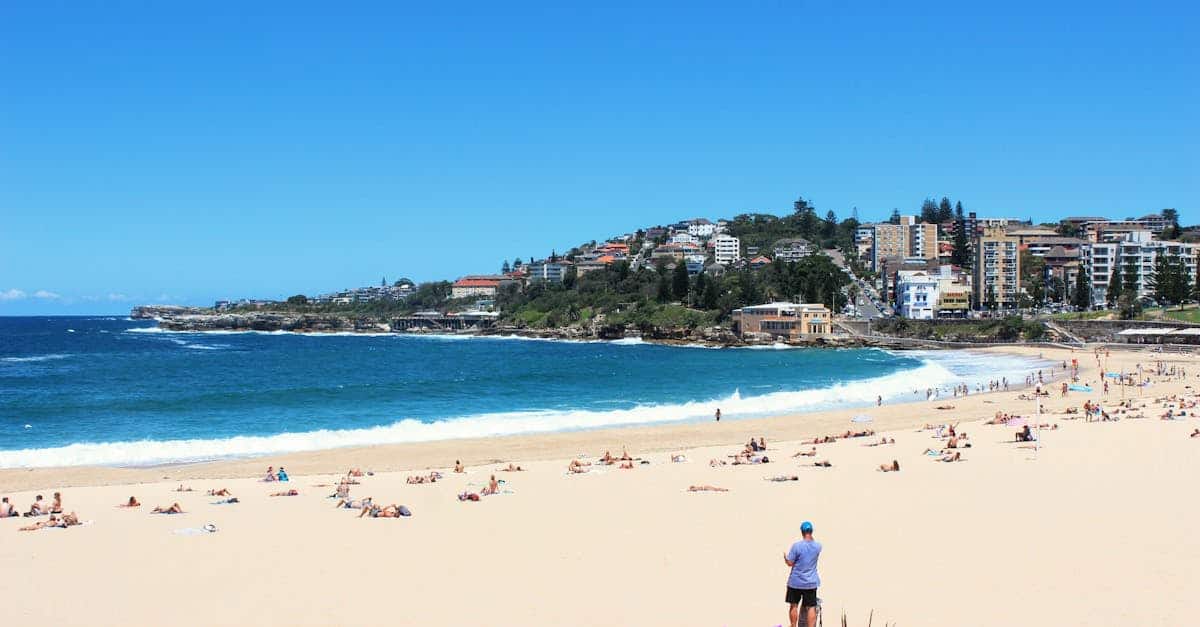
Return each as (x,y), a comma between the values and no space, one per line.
(538,445)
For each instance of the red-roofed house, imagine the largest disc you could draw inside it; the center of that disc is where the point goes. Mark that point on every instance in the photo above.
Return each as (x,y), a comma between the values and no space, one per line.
(759,261)
(477,286)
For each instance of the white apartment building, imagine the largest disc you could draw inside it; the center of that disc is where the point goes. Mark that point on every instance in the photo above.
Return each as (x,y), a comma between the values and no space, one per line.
(917,294)
(684,238)
(726,249)
(1138,250)
(702,229)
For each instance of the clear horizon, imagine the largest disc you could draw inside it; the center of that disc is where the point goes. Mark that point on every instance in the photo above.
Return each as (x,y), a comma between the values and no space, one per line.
(154,153)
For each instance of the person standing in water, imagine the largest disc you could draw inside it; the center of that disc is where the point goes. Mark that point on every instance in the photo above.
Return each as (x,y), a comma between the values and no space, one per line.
(718,414)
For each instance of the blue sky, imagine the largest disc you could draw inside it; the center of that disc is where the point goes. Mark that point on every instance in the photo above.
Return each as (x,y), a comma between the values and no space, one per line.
(186,152)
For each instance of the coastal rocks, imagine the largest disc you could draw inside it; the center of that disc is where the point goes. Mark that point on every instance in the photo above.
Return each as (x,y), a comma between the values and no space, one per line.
(271,322)
(155,312)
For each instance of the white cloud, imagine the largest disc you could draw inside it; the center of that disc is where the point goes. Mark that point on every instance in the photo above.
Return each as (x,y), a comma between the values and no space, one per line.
(13,294)
(47,295)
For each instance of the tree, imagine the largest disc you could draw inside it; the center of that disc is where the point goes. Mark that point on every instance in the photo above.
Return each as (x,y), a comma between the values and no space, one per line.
(298,299)
(1171,231)
(699,285)
(1170,280)
(505,269)
(944,213)
(383,282)
(663,293)
(989,299)
(1128,306)
(570,277)
(929,211)
(1130,280)
(710,297)
(1115,287)
(516,263)
(960,255)
(1056,289)
(679,281)
(1081,298)
(895,217)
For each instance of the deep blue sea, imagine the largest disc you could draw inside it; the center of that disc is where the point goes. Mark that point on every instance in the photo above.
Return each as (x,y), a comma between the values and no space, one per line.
(114,391)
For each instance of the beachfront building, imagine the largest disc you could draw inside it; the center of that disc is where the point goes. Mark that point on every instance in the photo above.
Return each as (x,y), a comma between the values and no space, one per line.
(997,269)
(792,250)
(478,286)
(1135,254)
(781,319)
(726,249)
(954,298)
(916,295)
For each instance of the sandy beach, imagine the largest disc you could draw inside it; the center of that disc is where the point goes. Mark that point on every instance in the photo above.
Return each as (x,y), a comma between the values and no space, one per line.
(1093,528)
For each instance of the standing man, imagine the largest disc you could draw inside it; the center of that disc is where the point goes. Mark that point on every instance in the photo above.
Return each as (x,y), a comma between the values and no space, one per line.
(718,414)
(803,581)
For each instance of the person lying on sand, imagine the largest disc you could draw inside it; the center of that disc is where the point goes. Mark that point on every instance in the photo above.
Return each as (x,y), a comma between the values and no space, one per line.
(511,467)
(881,442)
(706,488)
(829,439)
(175,508)
(577,466)
(183,489)
(812,452)
(221,492)
(782,478)
(43,524)
(292,492)
(387,511)
(468,496)
(956,457)
(678,458)
(823,464)
(352,504)
(430,478)
(892,467)
(626,466)
(1195,434)
(458,467)
(944,407)
(132,502)
(717,462)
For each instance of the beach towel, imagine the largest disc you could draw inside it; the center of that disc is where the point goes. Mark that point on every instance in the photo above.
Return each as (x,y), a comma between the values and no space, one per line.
(196,531)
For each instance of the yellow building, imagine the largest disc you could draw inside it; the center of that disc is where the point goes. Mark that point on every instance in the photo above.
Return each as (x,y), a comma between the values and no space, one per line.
(788,320)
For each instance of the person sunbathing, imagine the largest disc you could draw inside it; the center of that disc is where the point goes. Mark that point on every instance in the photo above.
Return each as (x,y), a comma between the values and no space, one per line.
(132,502)
(7,510)
(352,504)
(1024,435)
(56,506)
(625,455)
(175,508)
(956,457)
(1195,434)
(458,467)
(953,442)
(823,464)
(493,487)
(41,524)
(292,492)
(375,511)
(183,489)
(678,458)
(577,466)
(512,468)
(812,452)
(892,467)
(221,492)
(706,488)
(881,442)
(782,478)
(270,474)
(944,407)
(354,472)
(717,462)
(69,520)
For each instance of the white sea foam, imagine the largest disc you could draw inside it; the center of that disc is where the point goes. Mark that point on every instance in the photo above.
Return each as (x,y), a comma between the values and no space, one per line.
(936,370)
(35,358)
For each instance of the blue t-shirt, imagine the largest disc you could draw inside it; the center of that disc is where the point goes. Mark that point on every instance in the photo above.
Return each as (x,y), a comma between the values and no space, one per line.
(803,556)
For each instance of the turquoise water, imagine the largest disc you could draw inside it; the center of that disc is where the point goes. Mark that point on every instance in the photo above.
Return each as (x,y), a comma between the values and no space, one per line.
(120,392)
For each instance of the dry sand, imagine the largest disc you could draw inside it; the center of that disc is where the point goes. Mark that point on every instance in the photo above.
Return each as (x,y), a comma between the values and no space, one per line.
(1093,529)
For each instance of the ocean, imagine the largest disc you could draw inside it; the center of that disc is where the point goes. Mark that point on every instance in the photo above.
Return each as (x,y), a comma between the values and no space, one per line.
(119,392)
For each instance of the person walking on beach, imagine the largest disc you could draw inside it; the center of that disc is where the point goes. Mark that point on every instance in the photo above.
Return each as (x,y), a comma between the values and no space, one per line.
(718,414)
(803,580)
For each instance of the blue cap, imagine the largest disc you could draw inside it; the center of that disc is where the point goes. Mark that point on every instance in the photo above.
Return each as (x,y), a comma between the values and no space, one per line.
(806,527)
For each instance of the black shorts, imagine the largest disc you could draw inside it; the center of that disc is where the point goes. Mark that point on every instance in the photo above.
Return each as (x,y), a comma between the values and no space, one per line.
(806,598)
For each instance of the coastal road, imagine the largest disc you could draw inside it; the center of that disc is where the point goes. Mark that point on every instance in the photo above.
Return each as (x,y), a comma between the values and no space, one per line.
(868,306)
